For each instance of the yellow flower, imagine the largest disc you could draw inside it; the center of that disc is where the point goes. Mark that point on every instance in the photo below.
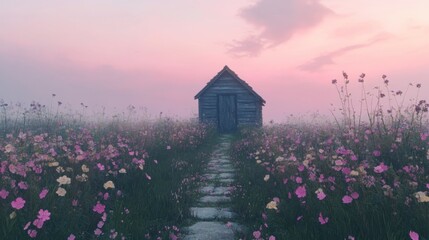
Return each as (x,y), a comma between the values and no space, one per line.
(64,180)
(61,192)
(53,164)
(267,177)
(60,169)
(9,148)
(82,178)
(305,163)
(85,168)
(361,170)
(109,184)
(272,205)
(309,157)
(319,190)
(421,196)
(354,173)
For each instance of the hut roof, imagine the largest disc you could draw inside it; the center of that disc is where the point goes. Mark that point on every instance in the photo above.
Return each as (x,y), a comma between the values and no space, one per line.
(235,76)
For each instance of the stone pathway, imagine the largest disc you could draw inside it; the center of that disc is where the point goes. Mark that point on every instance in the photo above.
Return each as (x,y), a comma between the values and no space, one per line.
(212,213)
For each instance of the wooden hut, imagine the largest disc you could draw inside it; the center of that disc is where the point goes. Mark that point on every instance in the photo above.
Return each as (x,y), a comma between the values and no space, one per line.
(229,102)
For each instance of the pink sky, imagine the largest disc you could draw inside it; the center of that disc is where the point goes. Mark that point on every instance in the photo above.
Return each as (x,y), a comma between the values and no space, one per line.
(159,54)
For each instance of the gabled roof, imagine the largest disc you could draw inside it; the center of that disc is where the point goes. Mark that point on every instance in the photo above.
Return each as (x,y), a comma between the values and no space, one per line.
(235,76)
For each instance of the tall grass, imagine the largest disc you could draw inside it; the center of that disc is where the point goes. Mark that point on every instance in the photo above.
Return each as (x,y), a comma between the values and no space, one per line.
(363,177)
(65,177)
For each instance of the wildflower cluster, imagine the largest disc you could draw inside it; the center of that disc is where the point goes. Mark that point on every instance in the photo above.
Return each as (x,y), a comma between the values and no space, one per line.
(364,177)
(91,180)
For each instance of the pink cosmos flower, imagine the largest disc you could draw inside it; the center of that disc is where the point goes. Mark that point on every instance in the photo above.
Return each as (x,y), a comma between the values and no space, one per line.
(38,138)
(38,223)
(100,224)
(23,185)
(172,236)
(407,169)
(100,166)
(323,220)
(376,153)
(272,238)
(301,192)
(346,170)
(12,168)
(98,232)
(414,235)
(71,237)
(347,199)
(27,225)
(320,194)
(43,193)
(257,234)
(106,196)
(18,203)
(298,180)
(44,215)
(4,194)
(99,208)
(32,233)
(381,168)
(355,195)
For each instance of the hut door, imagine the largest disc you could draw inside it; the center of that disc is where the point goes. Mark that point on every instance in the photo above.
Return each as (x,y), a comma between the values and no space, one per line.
(227,112)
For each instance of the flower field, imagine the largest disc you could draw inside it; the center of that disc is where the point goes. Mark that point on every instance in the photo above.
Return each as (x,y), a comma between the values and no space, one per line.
(364,175)
(298,182)
(351,179)
(79,180)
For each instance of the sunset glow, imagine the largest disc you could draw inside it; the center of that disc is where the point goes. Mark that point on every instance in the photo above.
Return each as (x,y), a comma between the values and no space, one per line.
(159,54)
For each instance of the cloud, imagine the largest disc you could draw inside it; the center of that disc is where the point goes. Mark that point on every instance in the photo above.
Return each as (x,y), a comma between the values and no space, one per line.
(328,58)
(277,21)
(251,46)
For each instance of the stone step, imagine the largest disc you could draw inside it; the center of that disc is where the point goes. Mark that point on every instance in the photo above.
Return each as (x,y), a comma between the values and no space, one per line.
(212,209)
(217,171)
(215,199)
(213,191)
(212,213)
(209,231)
(221,168)
(222,175)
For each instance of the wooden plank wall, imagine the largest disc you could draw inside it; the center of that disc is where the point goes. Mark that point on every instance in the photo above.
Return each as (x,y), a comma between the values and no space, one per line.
(249,108)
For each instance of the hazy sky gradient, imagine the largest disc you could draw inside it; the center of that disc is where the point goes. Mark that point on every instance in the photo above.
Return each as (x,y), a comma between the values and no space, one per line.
(159,54)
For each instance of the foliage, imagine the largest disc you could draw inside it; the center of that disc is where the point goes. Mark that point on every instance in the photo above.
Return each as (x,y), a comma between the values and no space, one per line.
(356,179)
(67,179)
